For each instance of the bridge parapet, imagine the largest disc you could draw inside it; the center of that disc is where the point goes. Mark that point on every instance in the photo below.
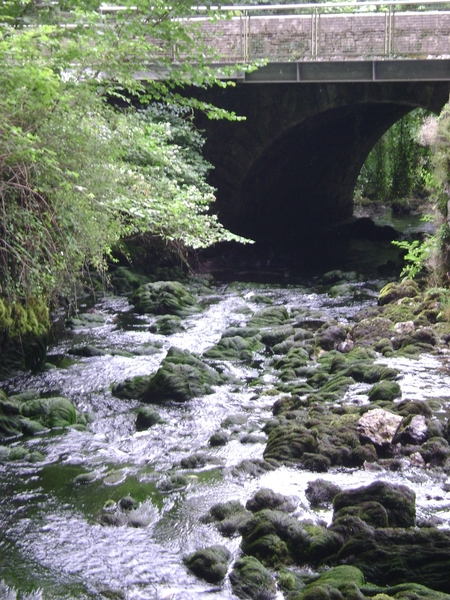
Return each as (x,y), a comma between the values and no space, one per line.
(331,31)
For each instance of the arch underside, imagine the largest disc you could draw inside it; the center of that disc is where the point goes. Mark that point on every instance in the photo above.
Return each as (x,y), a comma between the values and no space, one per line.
(290,168)
(306,178)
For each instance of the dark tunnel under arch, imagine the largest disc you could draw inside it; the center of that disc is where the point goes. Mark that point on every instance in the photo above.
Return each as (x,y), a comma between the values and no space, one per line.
(305,180)
(290,168)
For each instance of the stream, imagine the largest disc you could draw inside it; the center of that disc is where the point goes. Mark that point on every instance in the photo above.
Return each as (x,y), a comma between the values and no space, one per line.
(52,543)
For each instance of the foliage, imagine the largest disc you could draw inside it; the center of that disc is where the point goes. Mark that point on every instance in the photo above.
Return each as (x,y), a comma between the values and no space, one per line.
(76,176)
(417,253)
(399,164)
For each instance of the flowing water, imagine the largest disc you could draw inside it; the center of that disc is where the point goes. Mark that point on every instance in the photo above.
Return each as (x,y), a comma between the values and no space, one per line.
(52,544)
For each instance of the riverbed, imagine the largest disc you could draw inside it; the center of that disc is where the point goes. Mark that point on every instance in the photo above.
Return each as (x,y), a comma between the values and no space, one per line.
(54,543)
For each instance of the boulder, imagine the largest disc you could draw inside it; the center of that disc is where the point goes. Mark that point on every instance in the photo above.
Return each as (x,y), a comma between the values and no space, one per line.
(251,580)
(397,500)
(396,556)
(164,298)
(180,377)
(147,417)
(378,426)
(210,564)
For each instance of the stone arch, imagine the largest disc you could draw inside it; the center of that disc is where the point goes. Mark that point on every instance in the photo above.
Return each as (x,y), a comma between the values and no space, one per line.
(291,166)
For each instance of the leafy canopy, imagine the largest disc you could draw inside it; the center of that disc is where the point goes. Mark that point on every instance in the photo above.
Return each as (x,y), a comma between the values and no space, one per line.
(77,176)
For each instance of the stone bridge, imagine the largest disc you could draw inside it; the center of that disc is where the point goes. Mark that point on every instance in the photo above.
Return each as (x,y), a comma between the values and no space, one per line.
(333,85)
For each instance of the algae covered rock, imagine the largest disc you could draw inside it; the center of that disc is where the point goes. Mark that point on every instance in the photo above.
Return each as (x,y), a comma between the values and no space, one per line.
(234,348)
(267,498)
(210,564)
(394,291)
(228,516)
(397,556)
(397,500)
(251,580)
(28,414)
(321,492)
(147,417)
(275,538)
(180,377)
(164,298)
(384,390)
(341,582)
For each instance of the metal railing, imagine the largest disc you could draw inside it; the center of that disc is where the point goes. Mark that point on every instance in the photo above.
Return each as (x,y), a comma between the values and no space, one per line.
(330,30)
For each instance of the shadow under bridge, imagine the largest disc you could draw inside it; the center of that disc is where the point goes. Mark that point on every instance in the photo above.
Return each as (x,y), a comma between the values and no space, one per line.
(291,167)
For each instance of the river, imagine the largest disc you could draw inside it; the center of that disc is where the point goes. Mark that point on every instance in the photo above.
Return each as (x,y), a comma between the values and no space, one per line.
(53,544)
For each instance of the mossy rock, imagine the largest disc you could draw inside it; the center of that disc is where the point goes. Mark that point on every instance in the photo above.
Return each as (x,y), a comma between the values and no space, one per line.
(210,564)
(267,498)
(407,591)
(397,500)
(164,298)
(365,372)
(10,426)
(288,443)
(234,348)
(131,388)
(342,582)
(51,412)
(269,317)
(251,580)
(277,335)
(275,538)
(219,438)
(180,377)
(228,517)
(384,390)
(321,492)
(125,281)
(371,330)
(167,325)
(395,556)
(394,291)
(147,417)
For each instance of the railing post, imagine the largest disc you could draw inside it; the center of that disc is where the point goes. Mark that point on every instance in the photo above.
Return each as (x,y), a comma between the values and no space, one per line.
(314,36)
(246,36)
(388,32)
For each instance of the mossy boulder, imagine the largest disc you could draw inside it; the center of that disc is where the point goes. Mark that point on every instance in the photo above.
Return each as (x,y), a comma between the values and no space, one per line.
(397,556)
(269,317)
(339,583)
(397,500)
(275,538)
(167,325)
(210,564)
(267,498)
(146,417)
(394,291)
(251,580)
(131,388)
(180,377)
(234,348)
(276,335)
(228,517)
(164,298)
(125,281)
(384,390)
(321,492)
(23,337)
(28,414)
(369,331)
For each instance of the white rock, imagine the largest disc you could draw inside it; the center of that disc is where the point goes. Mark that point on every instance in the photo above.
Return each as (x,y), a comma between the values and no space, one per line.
(378,426)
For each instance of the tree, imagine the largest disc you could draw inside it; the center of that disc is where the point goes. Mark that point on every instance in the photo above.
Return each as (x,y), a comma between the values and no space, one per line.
(76,176)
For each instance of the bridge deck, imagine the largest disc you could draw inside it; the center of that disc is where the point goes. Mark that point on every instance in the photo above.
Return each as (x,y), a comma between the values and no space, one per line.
(351,71)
